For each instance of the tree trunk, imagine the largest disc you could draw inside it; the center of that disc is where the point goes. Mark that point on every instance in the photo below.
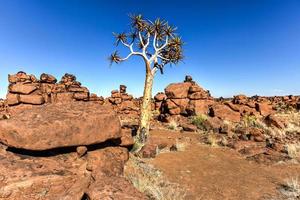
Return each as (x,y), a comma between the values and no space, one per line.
(146,114)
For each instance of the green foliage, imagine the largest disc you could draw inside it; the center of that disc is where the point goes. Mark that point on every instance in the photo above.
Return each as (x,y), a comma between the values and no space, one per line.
(199,121)
(250,121)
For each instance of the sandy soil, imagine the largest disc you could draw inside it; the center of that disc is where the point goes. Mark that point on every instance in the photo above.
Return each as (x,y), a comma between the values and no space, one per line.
(214,173)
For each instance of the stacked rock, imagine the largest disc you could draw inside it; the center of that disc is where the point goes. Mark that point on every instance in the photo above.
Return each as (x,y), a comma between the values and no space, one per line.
(182,98)
(27,89)
(24,88)
(123,102)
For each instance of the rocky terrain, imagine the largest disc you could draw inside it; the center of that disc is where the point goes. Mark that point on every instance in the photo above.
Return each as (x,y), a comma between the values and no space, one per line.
(59,141)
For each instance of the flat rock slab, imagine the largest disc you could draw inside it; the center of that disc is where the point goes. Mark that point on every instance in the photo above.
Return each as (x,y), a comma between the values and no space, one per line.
(60,125)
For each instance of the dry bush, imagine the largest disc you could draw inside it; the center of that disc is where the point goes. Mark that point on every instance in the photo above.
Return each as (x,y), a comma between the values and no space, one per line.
(293,150)
(291,189)
(173,125)
(180,145)
(212,140)
(151,181)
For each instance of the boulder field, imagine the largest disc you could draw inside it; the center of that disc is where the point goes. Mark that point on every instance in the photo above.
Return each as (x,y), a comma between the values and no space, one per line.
(69,151)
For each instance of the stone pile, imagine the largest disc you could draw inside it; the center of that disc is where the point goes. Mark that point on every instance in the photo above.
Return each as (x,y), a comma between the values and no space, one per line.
(70,151)
(124,103)
(27,89)
(182,98)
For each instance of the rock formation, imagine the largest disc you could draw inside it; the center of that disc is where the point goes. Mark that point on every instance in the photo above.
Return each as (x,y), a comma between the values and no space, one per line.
(64,151)
(27,89)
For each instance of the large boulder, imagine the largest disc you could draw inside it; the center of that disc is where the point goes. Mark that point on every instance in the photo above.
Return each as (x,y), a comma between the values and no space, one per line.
(22,88)
(178,90)
(47,78)
(60,125)
(225,113)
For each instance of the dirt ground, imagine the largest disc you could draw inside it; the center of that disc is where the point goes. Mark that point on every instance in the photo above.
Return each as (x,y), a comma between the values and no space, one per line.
(214,173)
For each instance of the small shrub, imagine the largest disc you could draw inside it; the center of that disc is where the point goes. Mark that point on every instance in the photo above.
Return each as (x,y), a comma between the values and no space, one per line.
(291,189)
(293,150)
(173,125)
(180,145)
(199,121)
(212,140)
(250,121)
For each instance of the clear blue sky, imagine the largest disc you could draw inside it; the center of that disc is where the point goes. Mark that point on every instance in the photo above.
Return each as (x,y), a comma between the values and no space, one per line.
(245,46)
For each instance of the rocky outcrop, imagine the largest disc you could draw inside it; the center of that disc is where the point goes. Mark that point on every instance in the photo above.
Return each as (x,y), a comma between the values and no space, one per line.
(123,103)
(182,98)
(27,89)
(60,125)
(65,151)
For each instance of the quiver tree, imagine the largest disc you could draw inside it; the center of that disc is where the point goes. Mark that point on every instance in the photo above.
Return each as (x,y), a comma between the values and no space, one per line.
(158,45)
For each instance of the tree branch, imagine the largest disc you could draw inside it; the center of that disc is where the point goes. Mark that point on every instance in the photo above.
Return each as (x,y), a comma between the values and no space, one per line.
(166,43)
(163,58)
(132,52)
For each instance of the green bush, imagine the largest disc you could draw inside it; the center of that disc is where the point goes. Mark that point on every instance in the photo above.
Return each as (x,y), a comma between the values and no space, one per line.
(199,121)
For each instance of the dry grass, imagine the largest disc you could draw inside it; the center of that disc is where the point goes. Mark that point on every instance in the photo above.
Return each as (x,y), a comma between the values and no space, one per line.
(173,125)
(291,189)
(293,150)
(212,140)
(151,181)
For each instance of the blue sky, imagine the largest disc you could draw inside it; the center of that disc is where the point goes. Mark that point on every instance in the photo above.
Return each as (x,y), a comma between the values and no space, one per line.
(232,46)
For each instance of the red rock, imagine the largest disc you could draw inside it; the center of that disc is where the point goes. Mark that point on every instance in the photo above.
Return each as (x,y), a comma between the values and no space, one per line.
(197,95)
(59,88)
(198,107)
(126,139)
(78,89)
(189,127)
(32,99)
(22,88)
(264,108)
(47,78)
(116,95)
(178,90)
(240,99)
(12,99)
(81,151)
(195,88)
(63,97)
(126,97)
(59,125)
(213,123)
(81,96)
(272,120)
(160,96)
(19,77)
(225,113)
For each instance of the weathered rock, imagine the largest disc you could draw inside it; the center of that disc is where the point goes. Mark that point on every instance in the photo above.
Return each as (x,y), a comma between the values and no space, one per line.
(224,113)
(32,99)
(264,108)
(12,99)
(81,96)
(188,127)
(81,151)
(126,139)
(160,96)
(47,78)
(22,88)
(63,97)
(272,120)
(198,107)
(19,77)
(178,90)
(60,125)
(213,123)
